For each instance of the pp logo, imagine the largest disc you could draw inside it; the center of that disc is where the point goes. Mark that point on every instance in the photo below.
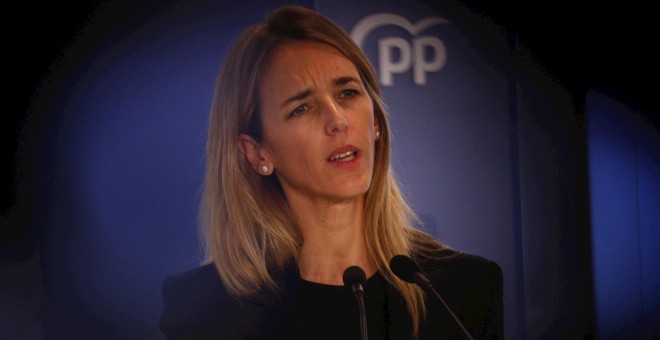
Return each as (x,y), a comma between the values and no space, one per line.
(410,55)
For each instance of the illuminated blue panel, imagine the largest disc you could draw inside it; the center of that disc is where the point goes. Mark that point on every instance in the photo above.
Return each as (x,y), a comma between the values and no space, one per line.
(625,189)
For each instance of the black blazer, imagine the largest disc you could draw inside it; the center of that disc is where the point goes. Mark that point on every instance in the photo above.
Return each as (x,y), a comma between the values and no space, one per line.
(197,306)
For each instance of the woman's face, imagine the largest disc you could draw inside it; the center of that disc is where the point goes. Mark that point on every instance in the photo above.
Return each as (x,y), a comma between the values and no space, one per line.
(318,123)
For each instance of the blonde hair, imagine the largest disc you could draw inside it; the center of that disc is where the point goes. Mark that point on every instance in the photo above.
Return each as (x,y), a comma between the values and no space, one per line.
(248,227)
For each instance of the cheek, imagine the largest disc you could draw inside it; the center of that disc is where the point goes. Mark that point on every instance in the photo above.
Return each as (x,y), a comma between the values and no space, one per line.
(293,147)
(368,118)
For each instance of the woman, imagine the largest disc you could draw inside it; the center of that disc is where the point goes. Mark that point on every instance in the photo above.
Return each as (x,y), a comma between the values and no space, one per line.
(298,188)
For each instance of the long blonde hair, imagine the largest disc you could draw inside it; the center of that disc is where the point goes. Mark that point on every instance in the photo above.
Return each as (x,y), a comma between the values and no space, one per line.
(248,227)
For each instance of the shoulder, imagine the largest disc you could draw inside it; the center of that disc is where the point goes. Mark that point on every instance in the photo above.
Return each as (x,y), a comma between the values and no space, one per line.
(189,298)
(448,265)
(192,288)
(439,261)
(205,277)
(196,304)
(472,285)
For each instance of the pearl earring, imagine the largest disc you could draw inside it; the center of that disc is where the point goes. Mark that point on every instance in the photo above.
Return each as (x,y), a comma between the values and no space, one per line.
(264,169)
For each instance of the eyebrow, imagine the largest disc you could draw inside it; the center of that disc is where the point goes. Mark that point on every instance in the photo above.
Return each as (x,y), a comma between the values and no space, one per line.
(345,80)
(298,96)
(307,92)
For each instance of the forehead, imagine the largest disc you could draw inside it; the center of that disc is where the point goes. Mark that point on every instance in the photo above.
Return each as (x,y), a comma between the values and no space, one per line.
(298,48)
(300,59)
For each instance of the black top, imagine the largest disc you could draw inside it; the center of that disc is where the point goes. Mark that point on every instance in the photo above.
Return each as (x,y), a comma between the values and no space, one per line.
(197,306)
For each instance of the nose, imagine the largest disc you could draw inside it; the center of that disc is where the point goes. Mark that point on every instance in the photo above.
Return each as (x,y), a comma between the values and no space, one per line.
(337,121)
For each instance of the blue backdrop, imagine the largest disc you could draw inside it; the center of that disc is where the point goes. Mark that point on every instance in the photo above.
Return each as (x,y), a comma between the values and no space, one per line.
(490,149)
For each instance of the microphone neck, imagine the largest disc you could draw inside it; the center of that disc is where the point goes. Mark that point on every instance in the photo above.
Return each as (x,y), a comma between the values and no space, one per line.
(358,290)
(422,281)
(359,295)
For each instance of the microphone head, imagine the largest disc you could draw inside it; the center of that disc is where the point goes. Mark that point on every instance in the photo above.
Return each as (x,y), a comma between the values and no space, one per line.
(354,275)
(404,267)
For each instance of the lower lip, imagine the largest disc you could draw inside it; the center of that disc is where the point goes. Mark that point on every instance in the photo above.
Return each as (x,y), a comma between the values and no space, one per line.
(348,165)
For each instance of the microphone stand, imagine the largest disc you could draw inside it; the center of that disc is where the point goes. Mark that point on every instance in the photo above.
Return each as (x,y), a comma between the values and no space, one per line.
(407,270)
(359,295)
(355,278)
(426,284)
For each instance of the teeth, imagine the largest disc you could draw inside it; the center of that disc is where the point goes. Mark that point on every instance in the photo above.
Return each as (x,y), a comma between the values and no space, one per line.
(345,156)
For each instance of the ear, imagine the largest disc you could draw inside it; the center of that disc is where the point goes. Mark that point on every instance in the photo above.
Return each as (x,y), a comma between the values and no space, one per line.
(251,149)
(376,124)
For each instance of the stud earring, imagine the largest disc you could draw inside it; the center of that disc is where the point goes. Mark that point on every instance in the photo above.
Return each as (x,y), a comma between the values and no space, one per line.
(264,169)
(377,135)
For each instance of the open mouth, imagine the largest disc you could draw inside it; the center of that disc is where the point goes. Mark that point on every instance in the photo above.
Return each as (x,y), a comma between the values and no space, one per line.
(344,156)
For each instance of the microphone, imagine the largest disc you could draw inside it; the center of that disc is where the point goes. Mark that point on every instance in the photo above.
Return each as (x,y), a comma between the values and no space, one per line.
(407,270)
(355,278)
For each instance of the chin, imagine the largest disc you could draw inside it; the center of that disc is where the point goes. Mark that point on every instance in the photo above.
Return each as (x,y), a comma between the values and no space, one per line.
(355,191)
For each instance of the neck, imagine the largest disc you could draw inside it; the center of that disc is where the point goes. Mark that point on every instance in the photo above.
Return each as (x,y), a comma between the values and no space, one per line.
(333,240)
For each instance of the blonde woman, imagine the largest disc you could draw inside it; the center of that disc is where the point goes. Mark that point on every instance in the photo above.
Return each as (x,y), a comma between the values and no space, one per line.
(298,188)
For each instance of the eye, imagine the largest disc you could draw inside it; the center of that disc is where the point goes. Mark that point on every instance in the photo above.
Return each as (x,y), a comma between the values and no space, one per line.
(299,110)
(349,93)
